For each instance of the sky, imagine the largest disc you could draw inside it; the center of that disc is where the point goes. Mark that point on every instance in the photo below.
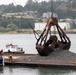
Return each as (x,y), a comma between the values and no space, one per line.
(18,2)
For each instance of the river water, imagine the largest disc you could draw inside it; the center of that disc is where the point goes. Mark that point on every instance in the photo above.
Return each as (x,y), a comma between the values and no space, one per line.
(27,42)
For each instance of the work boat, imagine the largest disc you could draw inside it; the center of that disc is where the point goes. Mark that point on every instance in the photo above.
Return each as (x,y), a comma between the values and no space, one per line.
(10,48)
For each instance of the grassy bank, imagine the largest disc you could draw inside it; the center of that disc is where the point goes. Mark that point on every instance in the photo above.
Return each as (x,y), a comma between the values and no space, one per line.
(19,31)
(30,31)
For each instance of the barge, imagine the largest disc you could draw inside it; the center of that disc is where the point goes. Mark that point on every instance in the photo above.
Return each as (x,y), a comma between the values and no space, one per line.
(59,58)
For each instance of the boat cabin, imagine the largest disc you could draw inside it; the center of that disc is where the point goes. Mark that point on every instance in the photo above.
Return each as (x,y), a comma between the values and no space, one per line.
(13,48)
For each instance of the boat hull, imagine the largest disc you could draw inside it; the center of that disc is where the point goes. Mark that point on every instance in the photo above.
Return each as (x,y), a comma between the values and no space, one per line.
(15,52)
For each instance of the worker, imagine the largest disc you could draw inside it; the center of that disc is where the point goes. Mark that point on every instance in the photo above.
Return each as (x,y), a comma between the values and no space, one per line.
(10,58)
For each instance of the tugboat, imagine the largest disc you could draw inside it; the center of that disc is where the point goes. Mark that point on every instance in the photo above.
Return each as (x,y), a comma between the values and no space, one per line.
(10,48)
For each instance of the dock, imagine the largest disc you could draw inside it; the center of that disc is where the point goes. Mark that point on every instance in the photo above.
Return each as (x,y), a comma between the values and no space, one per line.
(58,58)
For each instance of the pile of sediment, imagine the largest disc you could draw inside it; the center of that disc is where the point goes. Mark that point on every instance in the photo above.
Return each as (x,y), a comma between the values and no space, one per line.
(56,55)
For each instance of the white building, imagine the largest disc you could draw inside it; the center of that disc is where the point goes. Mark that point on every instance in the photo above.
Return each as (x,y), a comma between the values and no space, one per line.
(41,26)
(26,14)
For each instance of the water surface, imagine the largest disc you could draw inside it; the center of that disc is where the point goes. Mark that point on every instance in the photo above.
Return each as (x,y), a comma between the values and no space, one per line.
(27,42)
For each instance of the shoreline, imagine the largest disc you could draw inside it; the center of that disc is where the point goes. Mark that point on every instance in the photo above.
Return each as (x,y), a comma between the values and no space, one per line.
(30,31)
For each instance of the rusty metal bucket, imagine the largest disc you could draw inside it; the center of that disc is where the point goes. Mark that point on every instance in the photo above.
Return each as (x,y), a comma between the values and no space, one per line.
(44,50)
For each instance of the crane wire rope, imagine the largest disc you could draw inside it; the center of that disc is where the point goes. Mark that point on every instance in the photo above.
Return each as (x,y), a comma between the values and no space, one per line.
(28,22)
(35,33)
(52,14)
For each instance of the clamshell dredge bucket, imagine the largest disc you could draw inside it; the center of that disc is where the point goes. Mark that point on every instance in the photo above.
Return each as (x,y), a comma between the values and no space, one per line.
(44,46)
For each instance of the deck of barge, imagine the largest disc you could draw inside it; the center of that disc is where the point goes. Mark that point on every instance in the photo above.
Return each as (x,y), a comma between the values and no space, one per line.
(58,58)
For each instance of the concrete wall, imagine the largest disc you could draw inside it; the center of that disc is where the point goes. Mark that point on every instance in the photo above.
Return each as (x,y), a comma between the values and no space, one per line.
(41,26)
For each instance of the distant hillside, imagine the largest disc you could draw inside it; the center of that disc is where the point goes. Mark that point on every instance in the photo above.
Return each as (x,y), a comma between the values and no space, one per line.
(63,8)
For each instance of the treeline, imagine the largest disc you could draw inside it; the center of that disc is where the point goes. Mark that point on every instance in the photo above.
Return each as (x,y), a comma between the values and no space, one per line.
(14,24)
(63,8)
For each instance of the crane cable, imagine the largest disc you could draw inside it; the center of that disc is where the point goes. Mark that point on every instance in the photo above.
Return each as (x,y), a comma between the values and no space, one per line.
(52,8)
(28,22)
(52,13)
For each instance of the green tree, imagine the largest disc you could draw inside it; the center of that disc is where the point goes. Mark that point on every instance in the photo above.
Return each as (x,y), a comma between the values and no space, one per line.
(12,27)
(2,29)
(29,5)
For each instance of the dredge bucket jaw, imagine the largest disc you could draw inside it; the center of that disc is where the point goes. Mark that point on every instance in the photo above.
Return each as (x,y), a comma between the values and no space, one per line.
(44,50)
